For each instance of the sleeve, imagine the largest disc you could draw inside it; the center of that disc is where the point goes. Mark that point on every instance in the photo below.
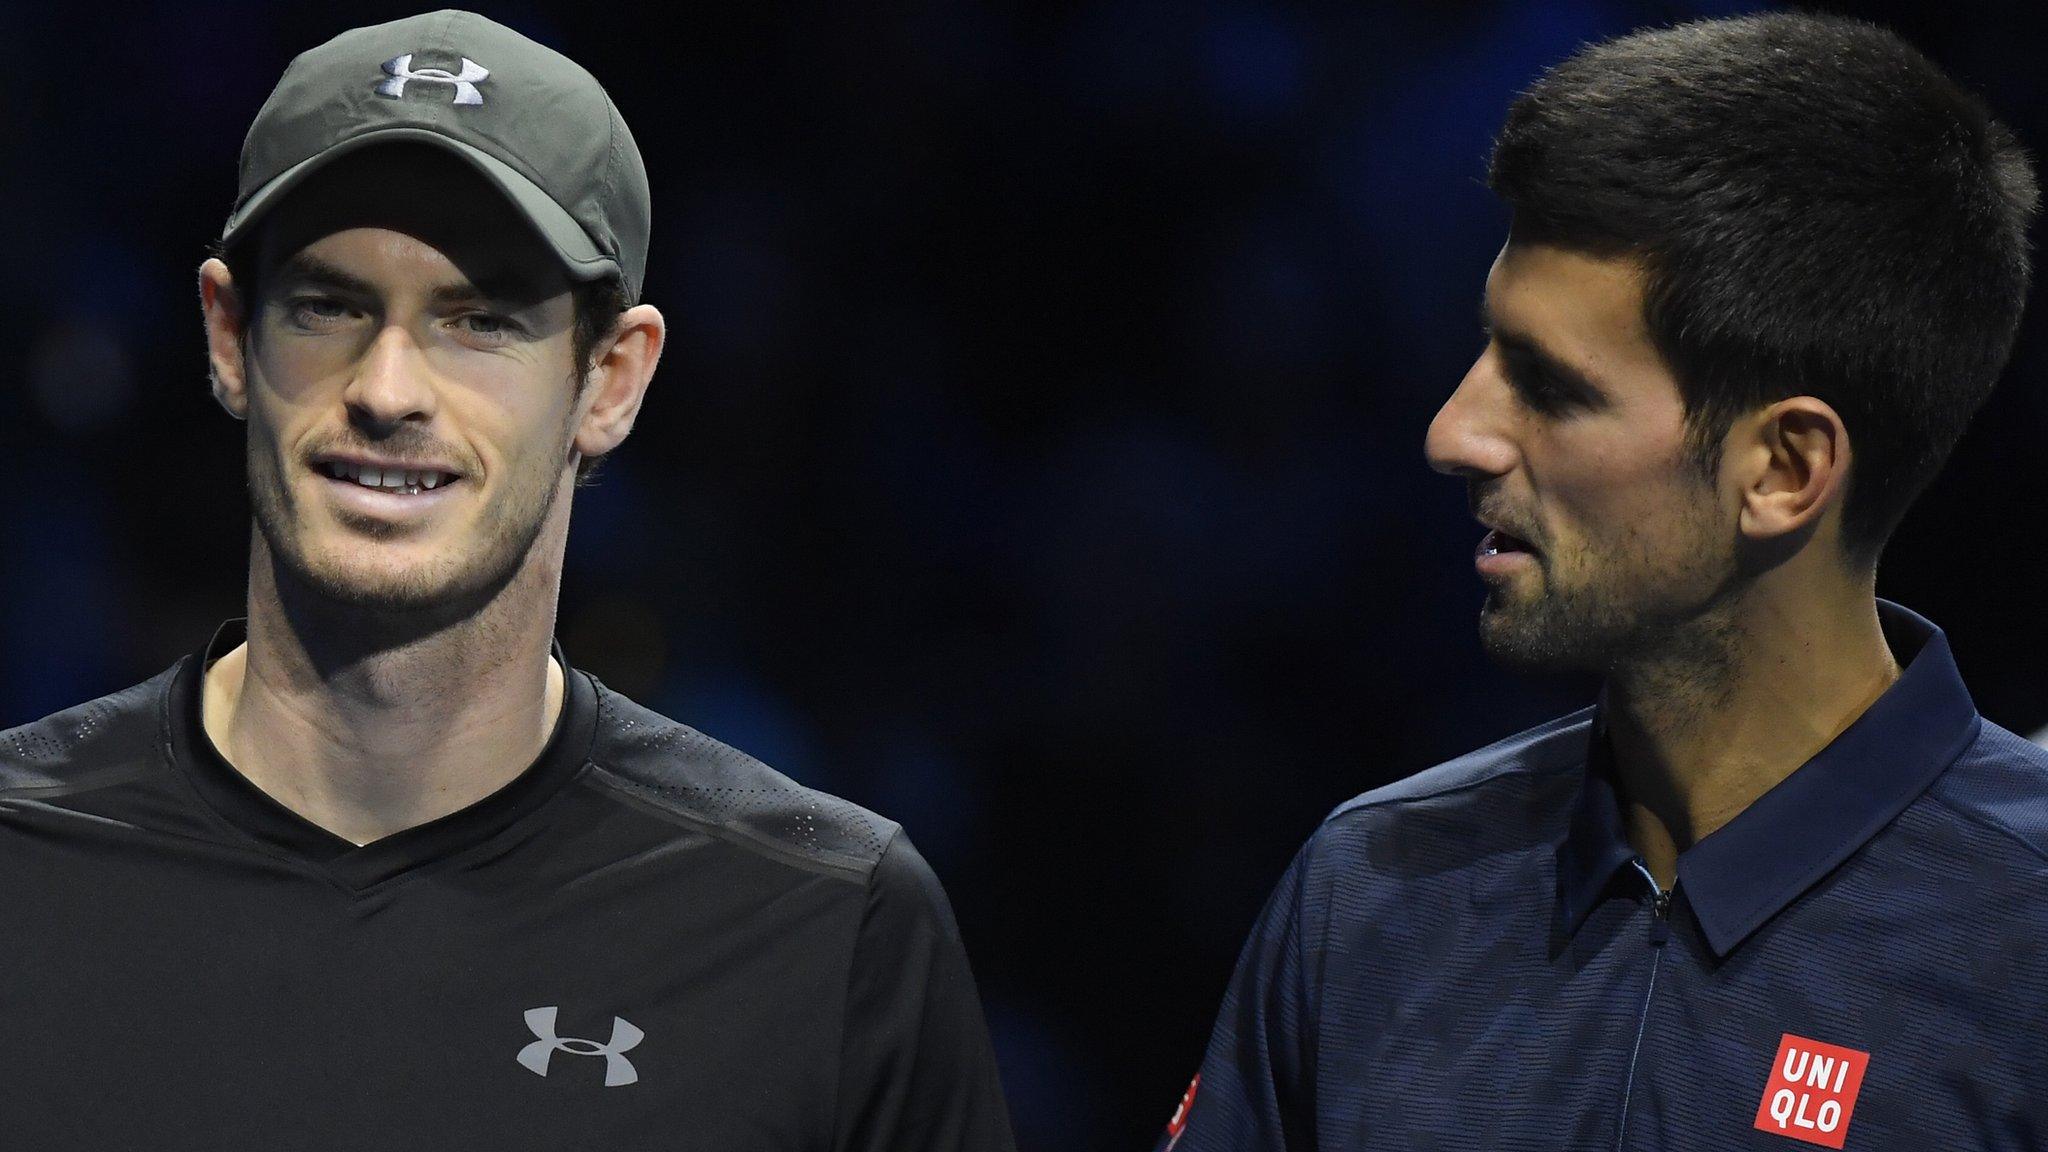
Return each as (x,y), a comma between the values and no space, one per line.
(1254,1092)
(917,1073)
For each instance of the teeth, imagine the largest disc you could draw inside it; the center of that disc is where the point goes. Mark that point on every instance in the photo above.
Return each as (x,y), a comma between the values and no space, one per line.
(410,482)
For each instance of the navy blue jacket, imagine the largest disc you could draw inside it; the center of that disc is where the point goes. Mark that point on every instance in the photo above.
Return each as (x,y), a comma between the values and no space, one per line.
(1475,958)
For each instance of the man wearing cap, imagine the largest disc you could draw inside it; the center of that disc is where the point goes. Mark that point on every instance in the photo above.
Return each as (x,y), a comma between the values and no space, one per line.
(378,868)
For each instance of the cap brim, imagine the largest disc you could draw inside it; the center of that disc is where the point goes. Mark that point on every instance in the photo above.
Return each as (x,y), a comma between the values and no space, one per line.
(580,257)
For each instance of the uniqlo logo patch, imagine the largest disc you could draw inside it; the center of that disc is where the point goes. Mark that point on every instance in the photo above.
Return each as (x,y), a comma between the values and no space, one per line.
(1812,1091)
(1179,1123)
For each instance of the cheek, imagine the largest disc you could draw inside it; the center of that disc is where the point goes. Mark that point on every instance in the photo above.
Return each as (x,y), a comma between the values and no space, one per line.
(291,389)
(275,420)
(1613,497)
(512,436)
(1660,533)
(295,370)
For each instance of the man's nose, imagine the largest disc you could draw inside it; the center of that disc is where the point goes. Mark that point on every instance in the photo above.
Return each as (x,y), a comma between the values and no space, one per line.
(392,384)
(1469,435)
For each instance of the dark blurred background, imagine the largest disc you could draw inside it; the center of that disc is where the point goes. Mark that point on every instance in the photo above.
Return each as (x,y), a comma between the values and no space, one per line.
(1037,459)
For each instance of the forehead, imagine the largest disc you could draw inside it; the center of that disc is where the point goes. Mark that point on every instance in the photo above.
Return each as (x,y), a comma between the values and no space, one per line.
(1584,310)
(399,212)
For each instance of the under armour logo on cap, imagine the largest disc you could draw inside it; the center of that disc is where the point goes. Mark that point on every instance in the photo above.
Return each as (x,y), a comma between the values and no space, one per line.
(557,148)
(617,1069)
(399,70)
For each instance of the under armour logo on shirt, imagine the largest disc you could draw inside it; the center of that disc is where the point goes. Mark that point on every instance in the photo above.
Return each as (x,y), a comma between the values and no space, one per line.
(399,69)
(617,1069)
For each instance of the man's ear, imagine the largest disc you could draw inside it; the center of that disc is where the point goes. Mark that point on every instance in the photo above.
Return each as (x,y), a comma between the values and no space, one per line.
(1797,456)
(226,325)
(618,382)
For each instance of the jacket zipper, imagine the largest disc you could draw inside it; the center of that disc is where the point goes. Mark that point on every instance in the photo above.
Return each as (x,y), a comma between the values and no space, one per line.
(1660,931)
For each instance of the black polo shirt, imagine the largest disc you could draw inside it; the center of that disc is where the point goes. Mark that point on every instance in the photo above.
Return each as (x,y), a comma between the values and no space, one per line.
(647,940)
(1474,958)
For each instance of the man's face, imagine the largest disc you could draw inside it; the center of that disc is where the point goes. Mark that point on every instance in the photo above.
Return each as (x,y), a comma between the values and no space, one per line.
(411,387)
(1570,430)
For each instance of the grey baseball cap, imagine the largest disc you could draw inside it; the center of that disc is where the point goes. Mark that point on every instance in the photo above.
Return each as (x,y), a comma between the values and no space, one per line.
(529,119)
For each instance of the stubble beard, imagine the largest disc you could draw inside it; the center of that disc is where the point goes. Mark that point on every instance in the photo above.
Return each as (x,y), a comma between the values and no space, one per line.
(1625,613)
(449,587)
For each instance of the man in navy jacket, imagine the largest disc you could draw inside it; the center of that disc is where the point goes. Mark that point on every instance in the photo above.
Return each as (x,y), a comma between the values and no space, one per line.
(1782,883)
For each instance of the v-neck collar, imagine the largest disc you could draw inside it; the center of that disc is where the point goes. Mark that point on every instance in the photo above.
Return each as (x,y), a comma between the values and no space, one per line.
(256,813)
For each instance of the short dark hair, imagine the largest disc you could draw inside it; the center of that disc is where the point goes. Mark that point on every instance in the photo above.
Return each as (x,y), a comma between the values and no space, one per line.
(597,306)
(1819,211)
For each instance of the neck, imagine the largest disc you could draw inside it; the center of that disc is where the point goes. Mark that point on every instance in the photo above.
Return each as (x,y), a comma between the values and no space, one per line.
(1736,702)
(369,723)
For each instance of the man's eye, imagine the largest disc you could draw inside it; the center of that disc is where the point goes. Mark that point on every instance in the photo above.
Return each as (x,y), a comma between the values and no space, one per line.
(315,311)
(487,324)
(1542,391)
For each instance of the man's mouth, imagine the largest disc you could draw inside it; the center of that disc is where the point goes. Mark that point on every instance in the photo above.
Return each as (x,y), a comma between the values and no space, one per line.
(396,481)
(1498,543)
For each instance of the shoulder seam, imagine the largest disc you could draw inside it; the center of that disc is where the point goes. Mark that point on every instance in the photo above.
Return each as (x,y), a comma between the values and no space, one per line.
(839,864)
(1362,803)
(1987,822)
(45,759)
(1510,755)
(93,781)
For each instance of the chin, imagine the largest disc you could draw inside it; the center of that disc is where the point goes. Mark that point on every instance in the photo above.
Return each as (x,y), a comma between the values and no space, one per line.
(413,580)
(1509,647)
(395,589)
(1523,637)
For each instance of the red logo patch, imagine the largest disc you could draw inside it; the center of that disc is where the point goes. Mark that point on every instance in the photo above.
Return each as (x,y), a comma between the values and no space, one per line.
(1179,1123)
(1812,1091)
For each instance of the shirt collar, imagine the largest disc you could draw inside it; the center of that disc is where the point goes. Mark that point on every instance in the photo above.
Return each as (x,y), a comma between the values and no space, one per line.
(1787,839)
(255,812)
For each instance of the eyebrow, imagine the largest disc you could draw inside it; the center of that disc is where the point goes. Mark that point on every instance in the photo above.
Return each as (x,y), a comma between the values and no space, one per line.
(304,268)
(1528,348)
